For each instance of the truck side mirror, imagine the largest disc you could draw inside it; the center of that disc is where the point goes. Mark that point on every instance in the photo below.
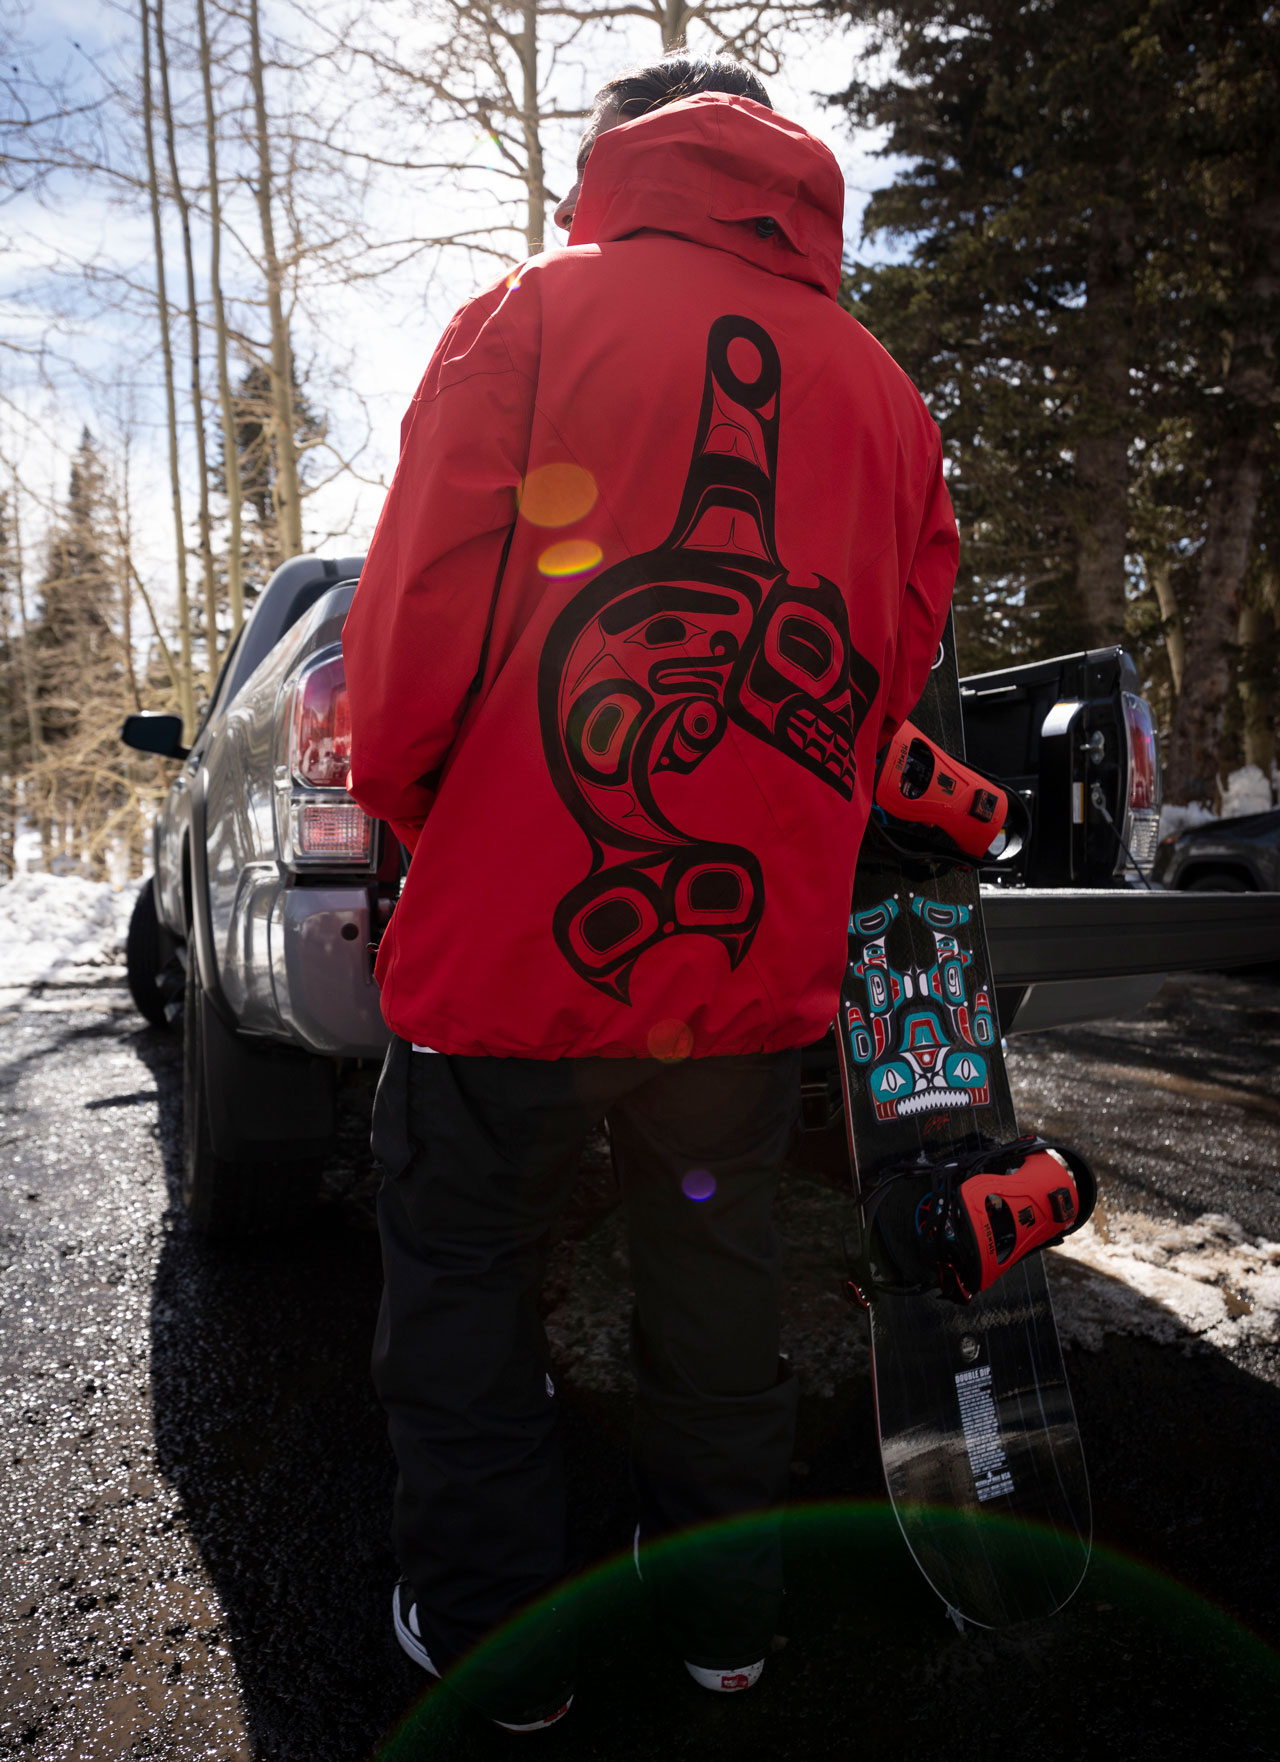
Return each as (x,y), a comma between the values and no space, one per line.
(152,731)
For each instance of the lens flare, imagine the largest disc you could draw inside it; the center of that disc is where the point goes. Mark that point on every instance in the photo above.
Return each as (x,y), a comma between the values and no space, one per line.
(557,495)
(670,1041)
(572,556)
(698,1184)
(1125,1607)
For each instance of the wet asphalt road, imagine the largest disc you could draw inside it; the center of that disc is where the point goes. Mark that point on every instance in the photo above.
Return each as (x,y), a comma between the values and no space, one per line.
(193,1550)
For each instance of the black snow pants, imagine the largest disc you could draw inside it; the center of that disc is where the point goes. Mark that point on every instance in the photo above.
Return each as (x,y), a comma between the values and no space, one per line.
(479,1155)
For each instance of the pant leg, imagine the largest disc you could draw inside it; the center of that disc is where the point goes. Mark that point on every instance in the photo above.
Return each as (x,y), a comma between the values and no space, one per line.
(479,1156)
(699,1147)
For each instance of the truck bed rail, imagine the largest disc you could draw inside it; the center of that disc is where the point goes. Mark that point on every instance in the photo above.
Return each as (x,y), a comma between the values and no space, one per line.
(1040,935)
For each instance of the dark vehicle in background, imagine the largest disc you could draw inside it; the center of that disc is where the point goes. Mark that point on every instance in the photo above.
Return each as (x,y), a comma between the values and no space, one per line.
(1240,855)
(272,888)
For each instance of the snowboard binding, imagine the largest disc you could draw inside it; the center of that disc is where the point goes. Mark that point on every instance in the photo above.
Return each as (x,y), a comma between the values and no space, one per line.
(929,806)
(956,1224)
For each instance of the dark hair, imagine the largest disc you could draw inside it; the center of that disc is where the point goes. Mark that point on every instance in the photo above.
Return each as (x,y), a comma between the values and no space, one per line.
(638,90)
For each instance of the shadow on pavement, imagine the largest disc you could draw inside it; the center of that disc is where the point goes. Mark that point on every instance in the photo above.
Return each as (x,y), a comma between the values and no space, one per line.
(266,1424)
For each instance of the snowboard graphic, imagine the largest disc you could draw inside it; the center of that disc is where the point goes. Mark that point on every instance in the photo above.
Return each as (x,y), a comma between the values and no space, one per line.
(978,1436)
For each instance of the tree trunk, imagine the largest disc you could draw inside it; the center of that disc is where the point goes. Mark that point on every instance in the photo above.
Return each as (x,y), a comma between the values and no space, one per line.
(185,682)
(24,633)
(287,490)
(197,394)
(1257,634)
(1160,575)
(1191,768)
(675,16)
(230,451)
(527,44)
(9,759)
(124,555)
(1102,451)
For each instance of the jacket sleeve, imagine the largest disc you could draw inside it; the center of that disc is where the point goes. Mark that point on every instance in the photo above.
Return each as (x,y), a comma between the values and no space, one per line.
(414,637)
(926,598)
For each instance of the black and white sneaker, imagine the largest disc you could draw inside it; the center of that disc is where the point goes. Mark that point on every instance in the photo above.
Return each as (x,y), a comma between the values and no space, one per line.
(731,1679)
(404,1618)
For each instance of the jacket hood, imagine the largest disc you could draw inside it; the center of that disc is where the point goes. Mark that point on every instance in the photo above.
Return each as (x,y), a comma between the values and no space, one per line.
(707,169)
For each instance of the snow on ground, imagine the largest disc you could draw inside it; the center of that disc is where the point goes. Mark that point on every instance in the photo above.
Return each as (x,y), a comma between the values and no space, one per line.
(61,929)
(1125,1273)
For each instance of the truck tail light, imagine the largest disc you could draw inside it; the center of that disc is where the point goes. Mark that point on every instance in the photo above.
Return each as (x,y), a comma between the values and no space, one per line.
(1144,760)
(1141,830)
(331,829)
(317,820)
(320,728)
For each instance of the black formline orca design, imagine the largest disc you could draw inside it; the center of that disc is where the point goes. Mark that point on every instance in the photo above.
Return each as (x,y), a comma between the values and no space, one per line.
(645,668)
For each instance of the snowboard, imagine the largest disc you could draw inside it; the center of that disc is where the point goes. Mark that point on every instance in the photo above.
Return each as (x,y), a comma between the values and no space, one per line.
(978,1438)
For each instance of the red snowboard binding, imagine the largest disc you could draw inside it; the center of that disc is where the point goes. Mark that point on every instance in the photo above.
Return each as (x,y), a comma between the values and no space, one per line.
(957,1224)
(928,805)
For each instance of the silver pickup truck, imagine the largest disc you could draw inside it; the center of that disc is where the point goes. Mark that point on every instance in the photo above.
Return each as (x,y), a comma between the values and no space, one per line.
(271,888)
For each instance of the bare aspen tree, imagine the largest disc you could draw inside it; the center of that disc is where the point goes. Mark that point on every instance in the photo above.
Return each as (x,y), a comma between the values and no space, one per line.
(123,559)
(756,31)
(186,684)
(526,44)
(193,332)
(1160,574)
(488,89)
(474,85)
(23,626)
(287,488)
(230,451)
(166,653)
(10,761)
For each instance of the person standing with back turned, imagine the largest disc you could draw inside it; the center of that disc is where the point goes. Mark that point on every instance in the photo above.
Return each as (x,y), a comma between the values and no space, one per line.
(665,561)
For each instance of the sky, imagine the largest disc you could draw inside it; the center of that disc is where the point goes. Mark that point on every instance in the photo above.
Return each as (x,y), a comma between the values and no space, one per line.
(363,349)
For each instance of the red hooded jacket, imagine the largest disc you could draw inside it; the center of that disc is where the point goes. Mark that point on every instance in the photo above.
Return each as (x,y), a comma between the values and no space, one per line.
(666,557)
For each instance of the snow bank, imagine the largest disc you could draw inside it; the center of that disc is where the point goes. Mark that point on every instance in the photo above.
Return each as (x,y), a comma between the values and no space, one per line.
(1248,791)
(1174,819)
(1174,1283)
(53,927)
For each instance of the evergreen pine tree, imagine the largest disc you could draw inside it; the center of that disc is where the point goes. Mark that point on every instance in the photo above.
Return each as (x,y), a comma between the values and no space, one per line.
(1089,297)
(80,781)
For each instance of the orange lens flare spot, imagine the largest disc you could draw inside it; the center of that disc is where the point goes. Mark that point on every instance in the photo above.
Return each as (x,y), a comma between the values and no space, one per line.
(570,557)
(557,495)
(670,1041)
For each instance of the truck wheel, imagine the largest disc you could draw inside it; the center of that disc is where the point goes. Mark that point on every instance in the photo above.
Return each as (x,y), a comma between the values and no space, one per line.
(1220,881)
(144,955)
(227,1198)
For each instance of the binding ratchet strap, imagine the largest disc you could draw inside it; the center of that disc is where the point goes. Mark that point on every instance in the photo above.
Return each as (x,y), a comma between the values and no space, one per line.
(957,1223)
(929,804)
